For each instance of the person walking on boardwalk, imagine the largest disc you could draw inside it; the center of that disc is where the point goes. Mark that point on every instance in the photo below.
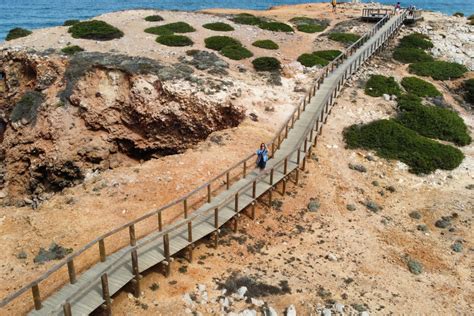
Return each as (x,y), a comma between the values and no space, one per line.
(334,4)
(397,8)
(262,156)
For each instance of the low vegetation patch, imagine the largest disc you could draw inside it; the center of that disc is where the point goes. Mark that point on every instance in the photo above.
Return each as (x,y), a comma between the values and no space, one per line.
(154,18)
(409,55)
(416,40)
(17,32)
(310,28)
(27,107)
(71,50)
(174,40)
(392,140)
(378,85)
(432,122)
(469,87)
(219,42)
(266,64)
(247,19)
(95,30)
(254,288)
(459,14)
(218,26)
(266,44)
(347,38)
(236,52)
(276,27)
(70,22)
(321,58)
(419,87)
(438,70)
(171,28)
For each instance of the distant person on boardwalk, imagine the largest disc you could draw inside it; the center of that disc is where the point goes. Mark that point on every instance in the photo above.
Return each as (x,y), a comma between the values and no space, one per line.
(262,156)
(397,8)
(334,4)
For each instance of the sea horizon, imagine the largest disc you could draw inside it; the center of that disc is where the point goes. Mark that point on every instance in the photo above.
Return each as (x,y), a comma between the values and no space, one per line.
(43,14)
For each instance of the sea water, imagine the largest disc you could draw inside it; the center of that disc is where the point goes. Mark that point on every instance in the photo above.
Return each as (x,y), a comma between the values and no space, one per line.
(33,14)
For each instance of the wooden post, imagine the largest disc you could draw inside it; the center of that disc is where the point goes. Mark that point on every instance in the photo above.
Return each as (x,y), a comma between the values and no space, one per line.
(102,253)
(209,197)
(136,273)
(285,166)
(304,163)
(253,211)
(216,217)
(160,222)
(297,175)
(166,244)
(190,240)
(245,169)
(279,140)
(283,187)
(106,294)
(131,230)
(271,176)
(235,222)
(185,208)
(270,196)
(273,149)
(254,189)
(36,296)
(227,176)
(67,309)
(236,202)
(298,157)
(286,131)
(71,271)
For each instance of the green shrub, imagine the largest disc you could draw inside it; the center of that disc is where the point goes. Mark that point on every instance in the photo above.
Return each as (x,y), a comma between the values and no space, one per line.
(419,87)
(170,29)
(391,140)
(329,55)
(219,26)
(432,122)
(247,19)
(17,33)
(266,44)
(310,28)
(266,64)
(70,22)
(219,42)
(95,30)
(459,14)
(409,55)
(416,40)
(71,50)
(27,107)
(276,27)
(469,87)
(175,40)
(378,85)
(236,52)
(300,20)
(347,38)
(154,18)
(438,70)
(311,60)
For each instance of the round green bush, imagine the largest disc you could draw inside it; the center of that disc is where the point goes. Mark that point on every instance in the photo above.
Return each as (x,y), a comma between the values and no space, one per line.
(409,55)
(17,33)
(310,28)
(347,38)
(247,19)
(71,50)
(392,140)
(174,40)
(416,40)
(311,60)
(95,30)
(70,22)
(378,85)
(218,26)
(266,44)
(419,87)
(154,18)
(276,27)
(171,28)
(469,87)
(236,52)
(432,122)
(438,70)
(266,64)
(159,30)
(459,14)
(219,42)
(329,55)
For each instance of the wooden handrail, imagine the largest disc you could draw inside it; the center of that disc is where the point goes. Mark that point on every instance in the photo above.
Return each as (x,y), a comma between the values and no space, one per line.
(100,240)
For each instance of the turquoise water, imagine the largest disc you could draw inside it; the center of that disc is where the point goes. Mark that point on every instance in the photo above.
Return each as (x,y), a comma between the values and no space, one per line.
(32,14)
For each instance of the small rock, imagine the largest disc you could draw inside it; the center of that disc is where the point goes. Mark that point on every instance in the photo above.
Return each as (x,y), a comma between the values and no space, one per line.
(444,222)
(187,299)
(201,287)
(241,291)
(326,312)
(386,97)
(457,246)
(469,187)
(415,215)
(313,205)
(375,183)
(364,313)
(248,312)
(253,117)
(339,308)
(224,302)
(291,311)
(269,311)
(22,255)
(256,302)
(357,167)
(351,207)
(372,206)
(422,228)
(331,257)
(414,266)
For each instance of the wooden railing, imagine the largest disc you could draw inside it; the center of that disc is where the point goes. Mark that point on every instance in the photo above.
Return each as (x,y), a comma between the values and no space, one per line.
(243,165)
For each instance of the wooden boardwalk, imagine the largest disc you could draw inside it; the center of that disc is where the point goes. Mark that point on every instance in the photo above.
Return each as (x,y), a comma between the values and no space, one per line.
(94,287)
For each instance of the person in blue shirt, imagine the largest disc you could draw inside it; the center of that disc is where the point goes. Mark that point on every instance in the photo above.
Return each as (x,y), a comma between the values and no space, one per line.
(262,156)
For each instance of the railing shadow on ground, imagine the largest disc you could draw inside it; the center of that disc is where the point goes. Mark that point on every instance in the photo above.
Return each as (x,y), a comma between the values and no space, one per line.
(209,189)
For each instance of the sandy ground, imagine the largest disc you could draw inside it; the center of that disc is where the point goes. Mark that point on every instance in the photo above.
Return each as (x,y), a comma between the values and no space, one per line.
(369,248)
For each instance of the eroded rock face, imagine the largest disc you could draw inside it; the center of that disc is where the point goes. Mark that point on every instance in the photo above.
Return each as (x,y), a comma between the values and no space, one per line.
(60,118)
